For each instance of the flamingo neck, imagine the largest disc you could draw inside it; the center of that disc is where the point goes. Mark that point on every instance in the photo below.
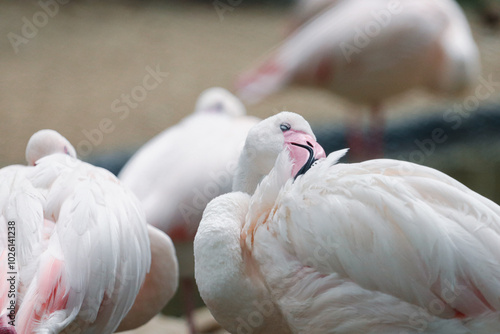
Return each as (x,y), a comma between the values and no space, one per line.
(247,177)
(219,265)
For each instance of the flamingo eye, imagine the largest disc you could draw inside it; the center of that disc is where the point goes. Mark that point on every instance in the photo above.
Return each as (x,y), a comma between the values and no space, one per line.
(285,127)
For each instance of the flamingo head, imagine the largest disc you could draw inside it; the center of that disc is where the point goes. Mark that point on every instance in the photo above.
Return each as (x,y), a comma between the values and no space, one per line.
(303,148)
(219,101)
(47,142)
(267,139)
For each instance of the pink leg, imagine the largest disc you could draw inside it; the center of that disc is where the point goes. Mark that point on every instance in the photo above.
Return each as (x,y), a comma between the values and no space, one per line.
(354,138)
(187,286)
(375,146)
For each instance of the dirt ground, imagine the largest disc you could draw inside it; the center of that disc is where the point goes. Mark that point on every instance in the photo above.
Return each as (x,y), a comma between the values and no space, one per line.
(67,72)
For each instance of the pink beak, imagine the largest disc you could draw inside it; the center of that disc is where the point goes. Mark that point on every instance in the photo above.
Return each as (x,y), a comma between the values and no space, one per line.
(304,150)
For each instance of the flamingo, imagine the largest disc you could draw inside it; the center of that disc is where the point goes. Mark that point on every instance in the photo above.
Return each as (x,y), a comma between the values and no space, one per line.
(381,246)
(75,247)
(369,51)
(180,170)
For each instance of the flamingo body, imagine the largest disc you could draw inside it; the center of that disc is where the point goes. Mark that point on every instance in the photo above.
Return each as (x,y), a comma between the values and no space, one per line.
(82,247)
(368,51)
(381,246)
(179,171)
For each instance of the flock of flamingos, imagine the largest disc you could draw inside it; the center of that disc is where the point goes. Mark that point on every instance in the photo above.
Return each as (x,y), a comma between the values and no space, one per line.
(286,238)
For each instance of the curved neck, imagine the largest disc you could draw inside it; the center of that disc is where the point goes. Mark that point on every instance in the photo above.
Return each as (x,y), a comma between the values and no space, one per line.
(246,177)
(219,265)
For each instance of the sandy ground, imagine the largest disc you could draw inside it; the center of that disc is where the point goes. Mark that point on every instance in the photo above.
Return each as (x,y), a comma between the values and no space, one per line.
(67,73)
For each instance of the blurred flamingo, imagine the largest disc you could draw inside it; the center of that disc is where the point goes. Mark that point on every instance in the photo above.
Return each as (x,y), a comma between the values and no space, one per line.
(180,170)
(382,246)
(369,51)
(76,247)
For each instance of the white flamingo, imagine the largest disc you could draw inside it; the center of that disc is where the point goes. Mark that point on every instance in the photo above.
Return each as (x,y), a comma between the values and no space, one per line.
(369,51)
(180,170)
(78,247)
(382,246)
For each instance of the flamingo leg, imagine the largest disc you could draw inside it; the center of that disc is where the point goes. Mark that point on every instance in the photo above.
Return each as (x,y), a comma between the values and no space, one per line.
(375,146)
(354,137)
(187,287)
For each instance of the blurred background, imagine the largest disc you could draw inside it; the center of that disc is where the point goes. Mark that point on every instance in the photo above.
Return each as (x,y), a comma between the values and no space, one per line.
(71,66)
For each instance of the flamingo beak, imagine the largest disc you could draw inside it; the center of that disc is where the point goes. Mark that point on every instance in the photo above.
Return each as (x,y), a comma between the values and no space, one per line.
(304,151)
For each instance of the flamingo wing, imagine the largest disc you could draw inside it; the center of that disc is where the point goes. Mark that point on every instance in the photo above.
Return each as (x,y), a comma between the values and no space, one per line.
(95,253)
(384,239)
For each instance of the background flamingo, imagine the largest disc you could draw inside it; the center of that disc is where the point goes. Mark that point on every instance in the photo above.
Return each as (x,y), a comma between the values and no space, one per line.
(379,246)
(179,171)
(369,51)
(82,245)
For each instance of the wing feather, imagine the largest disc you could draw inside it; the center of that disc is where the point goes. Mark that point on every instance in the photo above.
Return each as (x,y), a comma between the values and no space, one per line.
(389,229)
(98,236)
(382,239)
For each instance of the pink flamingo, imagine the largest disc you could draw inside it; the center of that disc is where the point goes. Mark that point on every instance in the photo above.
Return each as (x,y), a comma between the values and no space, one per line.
(78,248)
(369,51)
(381,246)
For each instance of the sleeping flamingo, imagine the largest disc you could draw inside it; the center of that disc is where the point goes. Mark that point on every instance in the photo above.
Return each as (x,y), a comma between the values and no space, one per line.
(369,51)
(179,171)
(80,249)
(381,246)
